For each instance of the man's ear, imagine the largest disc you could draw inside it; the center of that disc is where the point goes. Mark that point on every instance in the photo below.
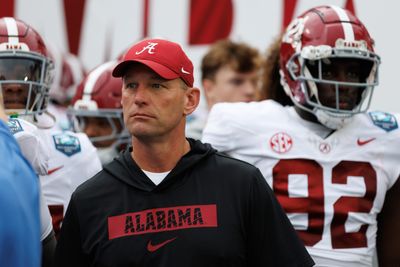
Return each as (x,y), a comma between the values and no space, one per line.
(122,89)
(192,100)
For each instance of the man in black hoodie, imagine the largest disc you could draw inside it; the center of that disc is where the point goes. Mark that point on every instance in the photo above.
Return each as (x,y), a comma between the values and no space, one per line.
(173,201)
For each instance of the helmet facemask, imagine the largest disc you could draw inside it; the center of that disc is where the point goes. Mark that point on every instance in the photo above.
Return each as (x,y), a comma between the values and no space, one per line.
(308,68)
(111,119)
(24,81)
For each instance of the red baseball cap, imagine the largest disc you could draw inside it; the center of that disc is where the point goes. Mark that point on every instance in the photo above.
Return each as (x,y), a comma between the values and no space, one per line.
(166,58)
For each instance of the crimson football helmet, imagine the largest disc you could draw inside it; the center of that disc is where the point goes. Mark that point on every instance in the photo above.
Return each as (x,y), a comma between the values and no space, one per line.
(99,97)
(315,39)
(25,68)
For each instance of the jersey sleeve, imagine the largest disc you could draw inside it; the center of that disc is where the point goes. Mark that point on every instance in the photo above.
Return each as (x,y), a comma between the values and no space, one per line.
(69,248)
(32,147)
(272,240)
(218,130)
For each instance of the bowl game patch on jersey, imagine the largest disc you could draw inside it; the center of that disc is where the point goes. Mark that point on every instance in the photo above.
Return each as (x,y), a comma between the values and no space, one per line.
(384,120)
(67,144)
(14,126)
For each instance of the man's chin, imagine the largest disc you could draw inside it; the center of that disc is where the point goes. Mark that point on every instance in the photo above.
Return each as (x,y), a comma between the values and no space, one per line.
(143,133)
(14,106)
(343,106)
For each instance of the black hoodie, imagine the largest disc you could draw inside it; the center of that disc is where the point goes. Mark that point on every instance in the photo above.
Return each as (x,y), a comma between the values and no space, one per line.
(210,210)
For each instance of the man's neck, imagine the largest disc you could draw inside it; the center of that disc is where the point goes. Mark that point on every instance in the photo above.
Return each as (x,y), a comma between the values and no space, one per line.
(305,115)
(308,116)
(160,155)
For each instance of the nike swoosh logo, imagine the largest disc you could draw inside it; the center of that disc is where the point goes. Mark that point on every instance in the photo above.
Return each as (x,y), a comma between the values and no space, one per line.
(152,248)
(184,71)
(54,170)
(361,142)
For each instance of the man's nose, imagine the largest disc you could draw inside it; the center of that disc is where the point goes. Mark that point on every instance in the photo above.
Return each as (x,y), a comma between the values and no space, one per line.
(341,76)
(91,130)
(140,95)
(346,90)
(249,89)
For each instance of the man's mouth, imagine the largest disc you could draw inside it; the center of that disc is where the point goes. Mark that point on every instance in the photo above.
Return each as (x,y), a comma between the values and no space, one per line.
(142,115)
(14,104)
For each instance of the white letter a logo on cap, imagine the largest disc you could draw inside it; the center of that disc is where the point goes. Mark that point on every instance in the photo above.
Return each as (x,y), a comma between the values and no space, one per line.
(150,48)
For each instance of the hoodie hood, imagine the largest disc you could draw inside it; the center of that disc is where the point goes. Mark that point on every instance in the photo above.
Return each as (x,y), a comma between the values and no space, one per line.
(125,169)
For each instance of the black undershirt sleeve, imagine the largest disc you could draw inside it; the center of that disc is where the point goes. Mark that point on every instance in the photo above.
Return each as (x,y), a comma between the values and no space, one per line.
(69,248)
(271,239)
(48,249)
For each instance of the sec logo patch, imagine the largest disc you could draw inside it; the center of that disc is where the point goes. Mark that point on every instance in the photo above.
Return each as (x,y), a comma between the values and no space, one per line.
(281,142)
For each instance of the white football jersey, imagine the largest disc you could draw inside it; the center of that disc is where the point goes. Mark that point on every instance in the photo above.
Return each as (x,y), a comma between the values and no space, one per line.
(331,188)
(195,123)
(73,160)
(32,147)
(36,153)
(60,113)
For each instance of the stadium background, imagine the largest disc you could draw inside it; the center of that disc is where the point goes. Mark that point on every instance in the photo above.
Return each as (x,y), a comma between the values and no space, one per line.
(99,30)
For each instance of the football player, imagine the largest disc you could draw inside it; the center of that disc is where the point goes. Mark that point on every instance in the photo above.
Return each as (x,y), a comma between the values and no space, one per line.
(332,164)
(230,73)
(97,110)
(25,77)
(68,73)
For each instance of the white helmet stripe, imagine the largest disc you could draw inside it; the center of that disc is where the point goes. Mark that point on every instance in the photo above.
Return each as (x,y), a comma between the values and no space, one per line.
(347,28)
(12,30)
(92,79)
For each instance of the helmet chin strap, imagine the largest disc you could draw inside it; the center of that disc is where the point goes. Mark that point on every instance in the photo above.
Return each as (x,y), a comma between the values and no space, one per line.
(330,120)
(45,120)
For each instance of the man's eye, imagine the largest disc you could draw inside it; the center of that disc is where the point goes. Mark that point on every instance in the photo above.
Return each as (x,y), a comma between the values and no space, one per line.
(327,74)
(156,85)
(102,122)
(131,85)
(353,75)
(237,82)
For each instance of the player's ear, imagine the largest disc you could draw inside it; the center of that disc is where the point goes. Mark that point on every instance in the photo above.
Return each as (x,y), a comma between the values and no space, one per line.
(192,99)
